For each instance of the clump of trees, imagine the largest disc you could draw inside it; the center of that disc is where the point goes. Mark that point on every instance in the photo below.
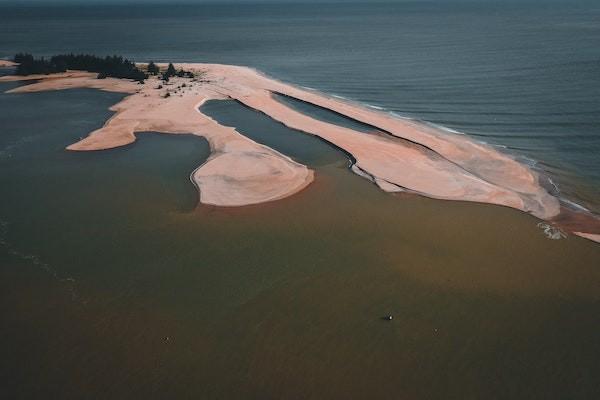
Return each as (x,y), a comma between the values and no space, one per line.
(109,66)
(171,71)
(28,65)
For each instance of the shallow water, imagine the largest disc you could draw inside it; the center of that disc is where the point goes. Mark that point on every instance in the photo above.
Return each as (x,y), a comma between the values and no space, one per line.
(114,286)
(306,149)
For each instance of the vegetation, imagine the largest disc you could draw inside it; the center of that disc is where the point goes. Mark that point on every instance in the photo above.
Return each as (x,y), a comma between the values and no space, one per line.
(153,68)
(171,71)
(110,66)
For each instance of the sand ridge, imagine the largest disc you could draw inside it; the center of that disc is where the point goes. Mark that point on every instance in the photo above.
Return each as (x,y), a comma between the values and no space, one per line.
(407,156)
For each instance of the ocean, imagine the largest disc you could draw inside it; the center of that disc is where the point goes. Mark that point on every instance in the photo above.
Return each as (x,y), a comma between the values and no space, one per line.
(115,284)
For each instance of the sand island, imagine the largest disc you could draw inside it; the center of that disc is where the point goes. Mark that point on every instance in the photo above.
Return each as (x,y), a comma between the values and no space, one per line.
(399,155)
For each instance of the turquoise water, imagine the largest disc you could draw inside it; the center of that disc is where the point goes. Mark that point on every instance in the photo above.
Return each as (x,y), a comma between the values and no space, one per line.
(520,75)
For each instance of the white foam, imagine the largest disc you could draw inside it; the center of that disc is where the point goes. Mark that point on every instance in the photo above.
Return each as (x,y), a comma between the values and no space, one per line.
(339,97)
(443,128)
(554,185)
(551,232)
(528,160)
(399,116)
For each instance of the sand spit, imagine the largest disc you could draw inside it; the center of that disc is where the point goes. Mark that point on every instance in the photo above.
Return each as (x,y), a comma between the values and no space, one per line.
(406,156)
(7,64)
(591,236)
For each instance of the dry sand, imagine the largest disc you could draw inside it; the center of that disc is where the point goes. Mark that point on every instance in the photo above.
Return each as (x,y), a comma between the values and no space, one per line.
(405,156)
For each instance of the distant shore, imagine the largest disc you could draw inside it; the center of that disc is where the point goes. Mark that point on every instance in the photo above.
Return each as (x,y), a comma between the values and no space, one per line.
(405,156)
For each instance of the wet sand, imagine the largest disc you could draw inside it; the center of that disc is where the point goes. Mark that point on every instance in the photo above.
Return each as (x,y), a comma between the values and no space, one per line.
(407,157)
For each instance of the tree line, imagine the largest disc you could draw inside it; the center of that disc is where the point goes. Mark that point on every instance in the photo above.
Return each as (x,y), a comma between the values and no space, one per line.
(109,66)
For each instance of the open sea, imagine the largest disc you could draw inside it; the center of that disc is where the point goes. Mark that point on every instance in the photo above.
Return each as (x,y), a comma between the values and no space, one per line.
(115,285)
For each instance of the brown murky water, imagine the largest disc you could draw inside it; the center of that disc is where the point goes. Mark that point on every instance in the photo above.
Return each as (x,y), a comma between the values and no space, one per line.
(113,286)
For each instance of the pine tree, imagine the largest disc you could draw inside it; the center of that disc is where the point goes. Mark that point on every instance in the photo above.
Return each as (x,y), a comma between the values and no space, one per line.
(171,70)
(152,68)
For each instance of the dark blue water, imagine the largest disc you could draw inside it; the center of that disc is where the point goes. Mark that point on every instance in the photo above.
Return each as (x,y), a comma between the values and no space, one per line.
(524,75)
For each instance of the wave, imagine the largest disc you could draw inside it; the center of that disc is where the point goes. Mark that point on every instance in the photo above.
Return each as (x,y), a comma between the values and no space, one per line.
(400,116)
(442,128)
(339,97)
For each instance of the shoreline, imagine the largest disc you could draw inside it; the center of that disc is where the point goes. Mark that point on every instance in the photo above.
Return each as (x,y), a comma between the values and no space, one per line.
(409,156)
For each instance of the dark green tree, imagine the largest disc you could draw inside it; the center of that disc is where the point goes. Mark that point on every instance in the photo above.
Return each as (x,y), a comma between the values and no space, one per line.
(152,68)
(171,70)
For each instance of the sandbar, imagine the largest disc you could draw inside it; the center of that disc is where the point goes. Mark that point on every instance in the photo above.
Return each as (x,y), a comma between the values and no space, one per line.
(7,64)
(405,155)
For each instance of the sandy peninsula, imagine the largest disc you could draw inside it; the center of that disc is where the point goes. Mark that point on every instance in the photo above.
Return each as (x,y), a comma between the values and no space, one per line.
(403,155)
(7,64)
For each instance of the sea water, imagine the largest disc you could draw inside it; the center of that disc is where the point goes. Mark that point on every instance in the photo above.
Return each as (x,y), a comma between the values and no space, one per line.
(115,283)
